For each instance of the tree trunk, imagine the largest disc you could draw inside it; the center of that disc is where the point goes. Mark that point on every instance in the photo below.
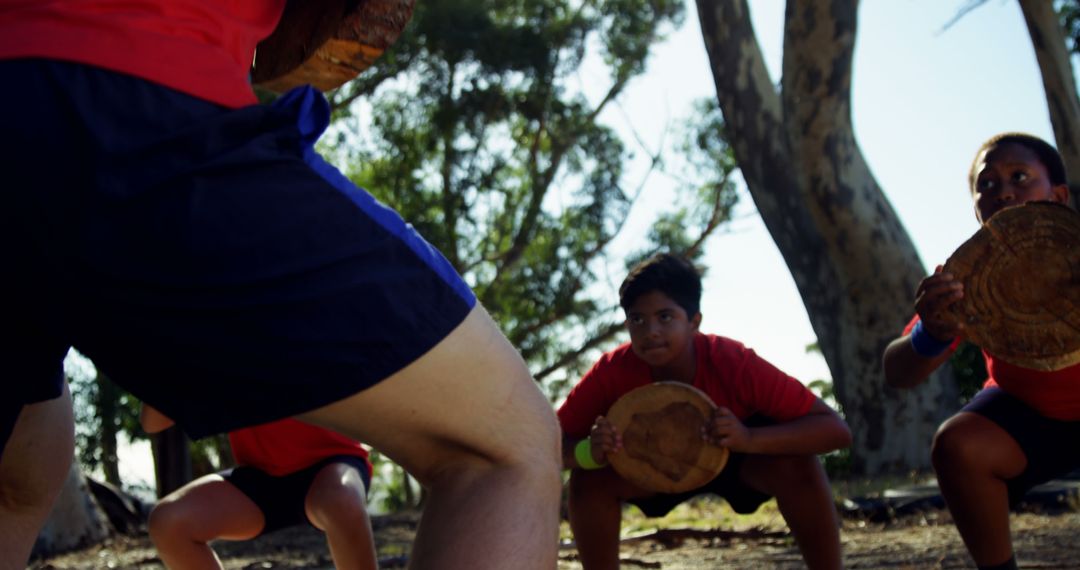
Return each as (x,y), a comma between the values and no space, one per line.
(76,519)
(172,460)
(106,401)
(852,261)
(1048,38)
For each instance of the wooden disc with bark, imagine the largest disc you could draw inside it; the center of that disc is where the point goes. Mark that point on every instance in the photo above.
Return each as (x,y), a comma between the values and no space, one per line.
(326,43)
(663,450)
(1021,277)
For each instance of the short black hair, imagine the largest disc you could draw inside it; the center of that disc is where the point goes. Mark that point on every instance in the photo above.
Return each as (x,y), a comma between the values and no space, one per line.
(1048,155)
(670,274)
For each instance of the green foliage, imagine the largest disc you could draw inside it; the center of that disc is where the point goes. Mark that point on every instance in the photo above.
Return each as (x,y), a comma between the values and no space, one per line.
(483,139)
(102,412)
(969,370)
(395,490)
(705,190)
(105,414)
(1069,12)
(475,127)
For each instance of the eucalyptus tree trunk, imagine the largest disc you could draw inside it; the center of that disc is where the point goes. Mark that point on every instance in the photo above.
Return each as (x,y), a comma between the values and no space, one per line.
(107,404)
(854,265)
(172,460)
(1048,39)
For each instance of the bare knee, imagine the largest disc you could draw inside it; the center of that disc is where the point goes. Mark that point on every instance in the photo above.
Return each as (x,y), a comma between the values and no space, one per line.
(543,450)
(24,492)
(952,449)
(529,447)
(337,498)
(37,458)
(973,445)
(169,521)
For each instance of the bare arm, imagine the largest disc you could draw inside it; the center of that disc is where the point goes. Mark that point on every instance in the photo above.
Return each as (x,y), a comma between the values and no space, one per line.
(153,421)
(819,431)
(905,368)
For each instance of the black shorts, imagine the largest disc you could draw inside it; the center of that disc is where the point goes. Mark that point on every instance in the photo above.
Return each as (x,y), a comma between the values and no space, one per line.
(1052,447)
(206,259)
(727,485)
(281,499)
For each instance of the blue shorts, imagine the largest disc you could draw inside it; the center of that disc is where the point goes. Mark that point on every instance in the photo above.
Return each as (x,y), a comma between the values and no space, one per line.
(206,259)
(281,499)
(1051,446)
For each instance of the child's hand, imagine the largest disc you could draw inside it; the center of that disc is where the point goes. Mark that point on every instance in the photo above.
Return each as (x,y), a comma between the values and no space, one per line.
(605,439)
(933,298)
(725,430)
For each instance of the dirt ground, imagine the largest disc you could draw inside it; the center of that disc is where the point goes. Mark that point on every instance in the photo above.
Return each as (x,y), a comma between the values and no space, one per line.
(705,535)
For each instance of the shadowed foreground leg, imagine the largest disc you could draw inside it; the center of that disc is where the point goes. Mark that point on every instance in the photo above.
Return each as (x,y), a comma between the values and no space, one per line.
(33,468)
(973,457)
(805,498)
(471,425)
(595,504)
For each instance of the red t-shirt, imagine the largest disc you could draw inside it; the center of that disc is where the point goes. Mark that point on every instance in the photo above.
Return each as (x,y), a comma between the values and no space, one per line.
(732,375)
(1053,394)
(199,47)
(287,446)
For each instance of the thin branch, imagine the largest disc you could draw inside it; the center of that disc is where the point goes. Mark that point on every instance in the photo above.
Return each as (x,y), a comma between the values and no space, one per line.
(604,335)
(715,219)
(971,6)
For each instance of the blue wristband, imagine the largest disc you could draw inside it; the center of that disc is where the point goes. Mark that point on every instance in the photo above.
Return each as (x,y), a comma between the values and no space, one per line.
(924,344)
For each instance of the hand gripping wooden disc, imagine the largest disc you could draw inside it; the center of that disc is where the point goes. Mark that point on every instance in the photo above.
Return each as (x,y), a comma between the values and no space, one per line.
(326,43)
(663,450)
(1021,276)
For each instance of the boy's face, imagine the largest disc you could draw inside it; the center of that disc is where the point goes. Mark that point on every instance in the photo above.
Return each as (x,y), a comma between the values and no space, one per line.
(661,333)
(1011,174)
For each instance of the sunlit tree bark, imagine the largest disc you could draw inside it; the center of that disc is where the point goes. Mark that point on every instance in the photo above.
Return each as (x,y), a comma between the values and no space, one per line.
(852,261)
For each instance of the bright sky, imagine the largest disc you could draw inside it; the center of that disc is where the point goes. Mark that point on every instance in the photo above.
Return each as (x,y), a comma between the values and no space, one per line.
(924,99)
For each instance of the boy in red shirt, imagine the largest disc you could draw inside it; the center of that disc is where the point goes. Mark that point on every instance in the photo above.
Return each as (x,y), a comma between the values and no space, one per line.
(773,425)
(1007,439)
(287,473)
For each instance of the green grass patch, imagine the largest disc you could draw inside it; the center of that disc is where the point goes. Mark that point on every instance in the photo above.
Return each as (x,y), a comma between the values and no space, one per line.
(702,513)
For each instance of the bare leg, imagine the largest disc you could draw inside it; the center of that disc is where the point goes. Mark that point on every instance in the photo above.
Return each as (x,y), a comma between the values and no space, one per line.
(184,522)
(335,504)
(595,504)
(805,498)
(33,468)
(470,424)
(973,457)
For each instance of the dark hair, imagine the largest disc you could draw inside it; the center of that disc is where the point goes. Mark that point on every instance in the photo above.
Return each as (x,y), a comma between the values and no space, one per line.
(670,274)
(1047,154)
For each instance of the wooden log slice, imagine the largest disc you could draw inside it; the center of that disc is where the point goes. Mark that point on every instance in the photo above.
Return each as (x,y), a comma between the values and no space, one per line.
(1021,276)
(663,450)
(326,43)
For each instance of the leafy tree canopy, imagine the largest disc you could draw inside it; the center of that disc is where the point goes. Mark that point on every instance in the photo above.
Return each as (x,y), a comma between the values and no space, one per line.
(476,128)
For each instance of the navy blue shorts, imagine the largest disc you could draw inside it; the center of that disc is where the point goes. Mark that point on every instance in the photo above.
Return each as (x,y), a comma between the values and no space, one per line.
(1040,437)
(281,499)
(206,259)
(728,485)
